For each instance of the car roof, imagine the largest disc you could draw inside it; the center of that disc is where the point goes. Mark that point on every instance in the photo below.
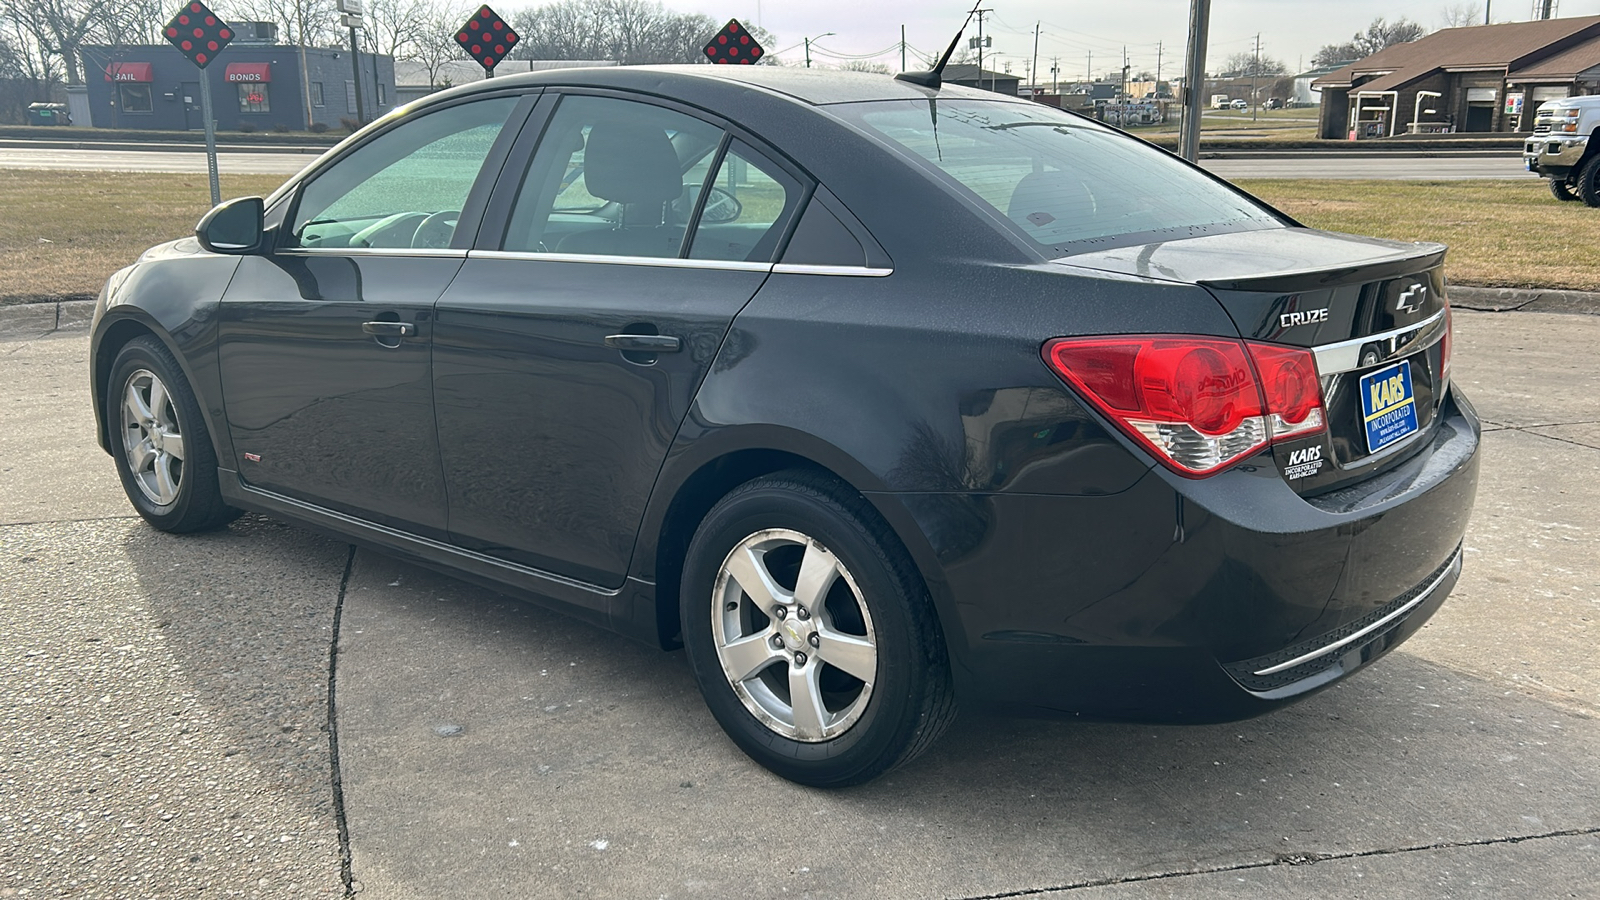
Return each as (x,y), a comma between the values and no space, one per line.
(814,87)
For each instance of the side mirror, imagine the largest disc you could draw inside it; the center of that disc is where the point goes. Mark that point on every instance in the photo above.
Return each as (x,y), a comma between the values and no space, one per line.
(234,226)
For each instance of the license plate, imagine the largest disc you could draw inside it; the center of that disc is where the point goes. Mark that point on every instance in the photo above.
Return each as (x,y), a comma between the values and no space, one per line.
(1387,405)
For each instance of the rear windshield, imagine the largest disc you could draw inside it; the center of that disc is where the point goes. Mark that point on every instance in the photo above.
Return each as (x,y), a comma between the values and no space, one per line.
(1066,183)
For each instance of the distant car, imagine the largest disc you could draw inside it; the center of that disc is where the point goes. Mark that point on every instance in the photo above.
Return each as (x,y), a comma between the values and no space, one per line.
(870,395)
(1274,103)
(1240,104)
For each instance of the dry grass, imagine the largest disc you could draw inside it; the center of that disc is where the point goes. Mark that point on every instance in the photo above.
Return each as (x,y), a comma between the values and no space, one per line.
(1500,233)
(63,233)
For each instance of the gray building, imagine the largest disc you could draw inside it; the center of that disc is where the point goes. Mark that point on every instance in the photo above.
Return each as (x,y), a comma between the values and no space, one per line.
(254,87)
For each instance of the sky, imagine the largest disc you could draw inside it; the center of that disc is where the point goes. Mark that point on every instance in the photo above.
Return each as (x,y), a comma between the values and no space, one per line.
(1085,33)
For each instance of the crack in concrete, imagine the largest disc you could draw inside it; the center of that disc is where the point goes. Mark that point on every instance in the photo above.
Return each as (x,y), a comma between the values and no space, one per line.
(1286,859)
(68,521)
(336,776)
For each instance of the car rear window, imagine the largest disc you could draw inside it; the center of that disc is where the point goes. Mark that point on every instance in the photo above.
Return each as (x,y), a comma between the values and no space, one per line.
(1064,182)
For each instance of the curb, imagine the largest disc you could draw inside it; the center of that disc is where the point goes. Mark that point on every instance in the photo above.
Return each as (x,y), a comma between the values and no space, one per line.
(34,319)
(1524,300)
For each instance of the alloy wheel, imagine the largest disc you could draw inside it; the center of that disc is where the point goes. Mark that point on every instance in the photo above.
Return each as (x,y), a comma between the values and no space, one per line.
(152,438)
(794,635)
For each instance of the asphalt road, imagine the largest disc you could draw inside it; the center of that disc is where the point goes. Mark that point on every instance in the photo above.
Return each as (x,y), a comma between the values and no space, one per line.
(164,706)
(1384,165)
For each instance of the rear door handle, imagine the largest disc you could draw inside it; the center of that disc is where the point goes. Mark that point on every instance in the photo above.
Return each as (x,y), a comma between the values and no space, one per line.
(644,343)
(389,329)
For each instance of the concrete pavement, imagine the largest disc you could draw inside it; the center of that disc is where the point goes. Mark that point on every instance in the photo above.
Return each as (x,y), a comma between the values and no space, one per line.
(490,748)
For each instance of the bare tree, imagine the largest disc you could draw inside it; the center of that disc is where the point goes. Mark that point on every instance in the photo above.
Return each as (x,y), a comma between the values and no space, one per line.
(435,44)
(393,26)
(1379,35)
(1461,15)
(865,65)
(135,21)
(58,27)
(629,32)
(1246,62)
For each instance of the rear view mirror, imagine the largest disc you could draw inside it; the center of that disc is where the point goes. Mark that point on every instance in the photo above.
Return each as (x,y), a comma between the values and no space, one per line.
(232,227)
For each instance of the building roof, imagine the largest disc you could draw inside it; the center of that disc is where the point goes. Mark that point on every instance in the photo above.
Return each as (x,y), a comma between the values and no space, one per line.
(960,72)
(1563,66)
(1505,47)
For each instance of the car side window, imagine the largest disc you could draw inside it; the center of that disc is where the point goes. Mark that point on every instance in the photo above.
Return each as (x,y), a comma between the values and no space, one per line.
(612,178)
(405,188)
(750,202)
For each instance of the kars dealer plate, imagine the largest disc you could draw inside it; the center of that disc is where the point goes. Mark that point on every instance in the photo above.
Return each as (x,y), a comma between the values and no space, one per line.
(1388,406)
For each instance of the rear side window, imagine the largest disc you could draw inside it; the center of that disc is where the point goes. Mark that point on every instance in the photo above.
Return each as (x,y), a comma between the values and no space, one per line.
(745,211)
(1064,182)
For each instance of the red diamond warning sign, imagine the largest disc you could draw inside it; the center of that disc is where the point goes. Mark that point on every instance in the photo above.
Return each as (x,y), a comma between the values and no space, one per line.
(198,33)
(487,38)
(733,44)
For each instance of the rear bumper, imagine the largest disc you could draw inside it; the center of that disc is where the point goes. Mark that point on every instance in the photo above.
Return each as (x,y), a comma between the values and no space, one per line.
(1208,600)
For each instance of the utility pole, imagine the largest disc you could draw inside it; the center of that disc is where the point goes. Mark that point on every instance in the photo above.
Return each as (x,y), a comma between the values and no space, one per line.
(1545,9)
(1194,78)
(1088,69)
(1255,69)
(1486,5)
(1055,75)
(808,45)
(981,14)
(902,48)
(1158,65)
(1033,70)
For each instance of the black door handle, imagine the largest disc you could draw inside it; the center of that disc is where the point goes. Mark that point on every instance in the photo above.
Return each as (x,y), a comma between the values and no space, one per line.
(389,329)
(644,343)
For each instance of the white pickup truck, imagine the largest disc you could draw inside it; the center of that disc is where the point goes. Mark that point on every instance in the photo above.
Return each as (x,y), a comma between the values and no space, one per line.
(1560,148)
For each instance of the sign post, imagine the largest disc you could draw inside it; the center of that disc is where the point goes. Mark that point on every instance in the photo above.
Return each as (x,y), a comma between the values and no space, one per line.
(200,35)
(487,38)
(350,18)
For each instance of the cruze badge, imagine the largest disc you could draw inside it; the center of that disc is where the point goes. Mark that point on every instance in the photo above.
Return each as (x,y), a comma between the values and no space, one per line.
(1412,299)
(1302,317)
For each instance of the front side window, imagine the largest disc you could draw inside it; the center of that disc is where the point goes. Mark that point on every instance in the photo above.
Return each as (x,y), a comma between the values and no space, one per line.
(253,98)
(1064,182)
(404,188)
(134,98)
(613,177)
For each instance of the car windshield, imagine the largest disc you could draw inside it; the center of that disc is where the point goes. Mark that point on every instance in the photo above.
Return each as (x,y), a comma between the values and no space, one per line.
(1066,183)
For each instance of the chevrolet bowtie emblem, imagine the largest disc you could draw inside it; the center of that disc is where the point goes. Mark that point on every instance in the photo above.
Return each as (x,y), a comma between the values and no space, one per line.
(1412,299)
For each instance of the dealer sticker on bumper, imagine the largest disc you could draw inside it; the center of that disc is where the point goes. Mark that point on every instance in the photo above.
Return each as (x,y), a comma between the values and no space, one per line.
(1388,406)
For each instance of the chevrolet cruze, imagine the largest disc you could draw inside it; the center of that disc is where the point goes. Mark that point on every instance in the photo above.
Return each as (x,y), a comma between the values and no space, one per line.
(871,395)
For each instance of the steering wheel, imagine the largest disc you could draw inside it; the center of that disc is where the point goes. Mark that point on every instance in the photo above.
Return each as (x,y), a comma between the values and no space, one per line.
(435,232)
(386,231)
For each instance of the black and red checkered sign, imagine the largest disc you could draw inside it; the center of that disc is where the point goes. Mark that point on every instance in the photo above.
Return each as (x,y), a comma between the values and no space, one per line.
(198,33)
(487,38)
(733,44)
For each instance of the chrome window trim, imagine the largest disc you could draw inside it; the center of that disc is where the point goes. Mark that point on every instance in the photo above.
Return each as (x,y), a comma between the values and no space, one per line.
(445,253)
(807,269)
(1345,356)
(670,262)
(1453,568)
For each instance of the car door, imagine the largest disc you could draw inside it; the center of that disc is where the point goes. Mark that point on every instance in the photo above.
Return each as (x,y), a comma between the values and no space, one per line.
(567,351)
(324,341)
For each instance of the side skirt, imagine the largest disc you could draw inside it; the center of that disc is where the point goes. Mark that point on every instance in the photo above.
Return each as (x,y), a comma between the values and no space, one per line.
(612,609)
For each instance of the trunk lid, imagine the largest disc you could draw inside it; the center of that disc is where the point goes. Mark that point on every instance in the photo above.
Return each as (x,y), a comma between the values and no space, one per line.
(1372,311)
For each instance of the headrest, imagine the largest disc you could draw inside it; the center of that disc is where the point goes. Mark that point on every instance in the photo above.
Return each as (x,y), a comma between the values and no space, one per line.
(627,162)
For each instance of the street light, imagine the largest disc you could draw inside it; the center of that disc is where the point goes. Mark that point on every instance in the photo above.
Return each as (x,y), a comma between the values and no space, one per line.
(808,45)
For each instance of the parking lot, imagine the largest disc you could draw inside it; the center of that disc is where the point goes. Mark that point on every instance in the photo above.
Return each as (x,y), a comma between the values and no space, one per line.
(169,731)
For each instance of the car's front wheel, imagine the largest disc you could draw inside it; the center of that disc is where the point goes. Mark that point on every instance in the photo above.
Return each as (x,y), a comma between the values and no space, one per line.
(811,636)
(1587,182)
(1562,190)
(159,440)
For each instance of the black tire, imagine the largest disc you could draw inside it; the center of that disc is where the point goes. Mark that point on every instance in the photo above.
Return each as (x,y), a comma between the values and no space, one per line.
(1587,183)
(876,598)
(1561,190)
(184,496)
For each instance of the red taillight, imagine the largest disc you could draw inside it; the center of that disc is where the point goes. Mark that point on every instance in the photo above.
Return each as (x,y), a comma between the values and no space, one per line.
(1199,403)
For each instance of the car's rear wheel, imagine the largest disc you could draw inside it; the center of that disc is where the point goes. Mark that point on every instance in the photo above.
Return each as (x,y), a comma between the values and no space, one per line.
(159,440)
(1587,183)
(811,636)
(1561,190)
